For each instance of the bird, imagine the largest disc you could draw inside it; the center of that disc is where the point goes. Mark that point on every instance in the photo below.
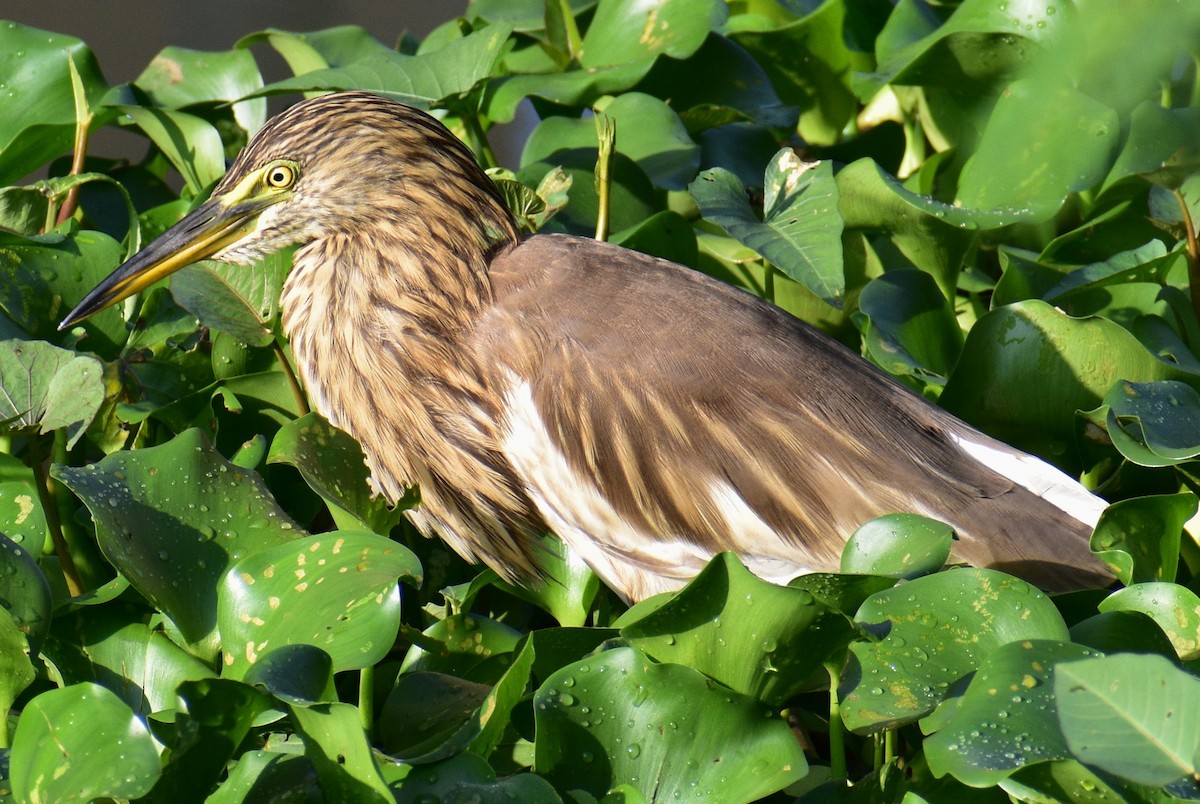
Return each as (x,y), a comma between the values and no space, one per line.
(647,414)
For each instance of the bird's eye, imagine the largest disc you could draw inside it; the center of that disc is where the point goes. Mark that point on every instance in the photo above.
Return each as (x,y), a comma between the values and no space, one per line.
(281,176)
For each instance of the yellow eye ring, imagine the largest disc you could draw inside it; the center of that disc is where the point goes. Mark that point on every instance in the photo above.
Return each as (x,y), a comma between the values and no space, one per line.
(281,176)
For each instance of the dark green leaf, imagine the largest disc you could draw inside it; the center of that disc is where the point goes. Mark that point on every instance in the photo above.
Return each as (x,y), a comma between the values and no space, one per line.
(1139,537)
(174,518)
(618,718)
(468,778)
(24,590)
(335,743)
(1175,608)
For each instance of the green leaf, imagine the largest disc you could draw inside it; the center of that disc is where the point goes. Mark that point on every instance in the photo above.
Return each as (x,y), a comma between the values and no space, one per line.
(819,83)
(429,79)
(618,718)
(80,743)
(1139,537)
(16,669)
(900,545)
(331,463)
(909,328)
(1076,361)
(174,518)
(178,77)
(1134,716)
(24,590)
(935,630)
(1006,719)
(754,637)
(335,743)
(39,123)
(336,591)
(630,31)
(216,717)
(800,232)
(241,301)
(191,143)
(45,388)
(1155,423)
(109,645)
(1039,145)
(1175,608)
(428,717)
(330,47)
(468,778)
(472,647)
(570,586)
(648,132)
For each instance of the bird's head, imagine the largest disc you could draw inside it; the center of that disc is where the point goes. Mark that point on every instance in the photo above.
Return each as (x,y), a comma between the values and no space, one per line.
(347,163)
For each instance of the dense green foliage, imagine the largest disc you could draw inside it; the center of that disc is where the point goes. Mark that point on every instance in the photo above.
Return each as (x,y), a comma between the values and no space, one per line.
(993,200)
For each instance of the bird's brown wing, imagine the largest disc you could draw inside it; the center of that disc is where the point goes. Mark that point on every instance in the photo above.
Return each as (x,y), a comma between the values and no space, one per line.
(665,416)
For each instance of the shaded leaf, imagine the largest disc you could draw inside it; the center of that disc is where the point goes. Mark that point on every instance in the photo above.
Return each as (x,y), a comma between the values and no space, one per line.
(45,388)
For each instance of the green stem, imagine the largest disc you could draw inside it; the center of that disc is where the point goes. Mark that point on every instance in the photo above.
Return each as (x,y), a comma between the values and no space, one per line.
(479,141)
(889,745)
(768,281)
(366,699)
(83,122)
(293,381)
(46,496)
(571,28)
(606,134)
(837,733)
(877,759)
(1193,253)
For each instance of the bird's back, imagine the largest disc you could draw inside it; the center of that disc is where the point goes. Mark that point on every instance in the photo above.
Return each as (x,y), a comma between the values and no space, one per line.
(657,416)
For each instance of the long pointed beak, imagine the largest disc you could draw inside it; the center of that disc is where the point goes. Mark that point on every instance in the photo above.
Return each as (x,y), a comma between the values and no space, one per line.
(201,233)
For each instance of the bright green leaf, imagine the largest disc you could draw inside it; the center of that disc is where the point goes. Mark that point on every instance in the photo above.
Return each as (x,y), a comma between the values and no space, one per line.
(900,545)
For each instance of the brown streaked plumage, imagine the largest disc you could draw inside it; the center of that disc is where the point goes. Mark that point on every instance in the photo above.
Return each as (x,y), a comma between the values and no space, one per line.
(650,415)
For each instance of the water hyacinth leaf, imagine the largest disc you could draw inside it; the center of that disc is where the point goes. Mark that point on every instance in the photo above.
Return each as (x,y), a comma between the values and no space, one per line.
(428,716)
(1113,631)
(40,120)
(754,637)
(214,720)
(934,631)
(296,674)
(472,647)
(1007,717)
(1139,538)
(1134,716)
(844,592)
(464,778)
(631,31)
(428,79)
(909,327)
(78,744)
(569,586)
(16,669)
(173,518)
(280,770)
(241,301)
(618,718)
(110,646)
(336,745)
(316,50)
(819,82)
(648,132)
(331,463)
(1175,608)
(666,234)
(191,143)
(800,231)
(1041,143)
(1155,423)
(46,388)
(178,77)
(24,591)
(1068,780)
(336,591)
(1076,360)
(899,545)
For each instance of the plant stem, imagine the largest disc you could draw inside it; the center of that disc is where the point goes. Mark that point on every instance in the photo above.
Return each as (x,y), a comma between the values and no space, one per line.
(1193,253)
(293,381)
(606,133)
(366,699)
(47,497)
(837,734)
(479,141)
(83,122)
